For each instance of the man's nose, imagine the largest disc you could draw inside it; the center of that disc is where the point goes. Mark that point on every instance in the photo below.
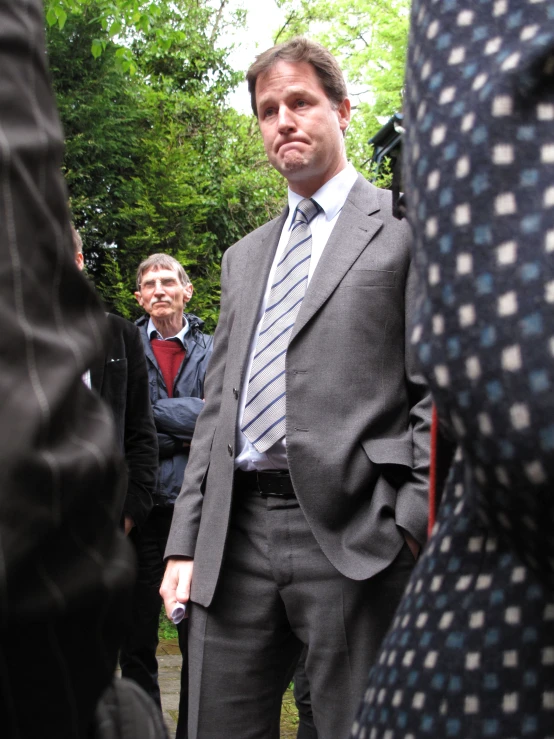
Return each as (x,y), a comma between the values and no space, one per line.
(158,287)
(286,120)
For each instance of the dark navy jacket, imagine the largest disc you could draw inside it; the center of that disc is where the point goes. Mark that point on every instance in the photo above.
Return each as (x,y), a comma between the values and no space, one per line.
(175,417)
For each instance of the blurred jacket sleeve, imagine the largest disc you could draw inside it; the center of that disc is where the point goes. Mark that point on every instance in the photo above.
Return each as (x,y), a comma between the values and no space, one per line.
(65,568)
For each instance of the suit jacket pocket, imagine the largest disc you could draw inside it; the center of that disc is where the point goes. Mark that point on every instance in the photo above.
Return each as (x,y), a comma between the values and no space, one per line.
(369,278)
(397,451)
(393,457)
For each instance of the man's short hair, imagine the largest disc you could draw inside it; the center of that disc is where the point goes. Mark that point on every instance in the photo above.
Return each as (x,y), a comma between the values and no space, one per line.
(301,49)
(162,261)
(77,240)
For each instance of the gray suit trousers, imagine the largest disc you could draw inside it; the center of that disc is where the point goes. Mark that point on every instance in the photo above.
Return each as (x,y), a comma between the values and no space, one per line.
(278,591)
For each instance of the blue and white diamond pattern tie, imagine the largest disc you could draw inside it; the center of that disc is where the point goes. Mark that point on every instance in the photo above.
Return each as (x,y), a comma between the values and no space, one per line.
(263,422)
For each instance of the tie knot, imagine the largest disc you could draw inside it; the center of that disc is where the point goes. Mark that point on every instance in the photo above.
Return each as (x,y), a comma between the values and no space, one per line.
(306,211)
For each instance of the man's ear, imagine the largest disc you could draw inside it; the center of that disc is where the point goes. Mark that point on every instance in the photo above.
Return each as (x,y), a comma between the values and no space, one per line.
(187,293)
(138,296)
(344,114)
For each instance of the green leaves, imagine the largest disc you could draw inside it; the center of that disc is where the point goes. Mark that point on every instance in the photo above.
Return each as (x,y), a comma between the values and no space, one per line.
(96,48)
(155,160)
(62,17)
(57,14)
(115,17)
(115,28)
(51,16)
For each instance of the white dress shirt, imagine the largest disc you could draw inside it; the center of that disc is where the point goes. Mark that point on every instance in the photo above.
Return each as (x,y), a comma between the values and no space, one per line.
(331,198)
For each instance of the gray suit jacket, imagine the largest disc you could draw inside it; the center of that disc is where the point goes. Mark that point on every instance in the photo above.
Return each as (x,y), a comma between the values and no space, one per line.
(358,411)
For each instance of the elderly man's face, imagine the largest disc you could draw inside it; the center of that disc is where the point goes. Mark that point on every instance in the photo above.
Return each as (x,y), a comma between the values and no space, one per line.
(162,294)
(302,130)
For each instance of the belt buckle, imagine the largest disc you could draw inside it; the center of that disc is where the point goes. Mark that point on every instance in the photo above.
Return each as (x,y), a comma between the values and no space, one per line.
(271,493)
(262,493)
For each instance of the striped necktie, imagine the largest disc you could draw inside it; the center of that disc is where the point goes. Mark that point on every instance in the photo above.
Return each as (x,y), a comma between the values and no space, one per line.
(263,422)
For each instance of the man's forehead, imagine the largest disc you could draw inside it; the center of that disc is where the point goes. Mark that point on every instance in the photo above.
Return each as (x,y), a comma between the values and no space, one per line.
(294,88)
(157,269)
(292,75)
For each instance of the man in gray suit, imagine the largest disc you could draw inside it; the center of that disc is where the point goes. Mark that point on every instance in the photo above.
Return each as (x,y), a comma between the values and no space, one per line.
(304,503)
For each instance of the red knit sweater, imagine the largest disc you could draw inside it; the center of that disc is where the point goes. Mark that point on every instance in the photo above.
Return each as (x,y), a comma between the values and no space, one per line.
(169,354)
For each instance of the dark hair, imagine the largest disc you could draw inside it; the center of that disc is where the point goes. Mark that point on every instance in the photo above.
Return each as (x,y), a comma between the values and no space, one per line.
(301,49)
(162,261)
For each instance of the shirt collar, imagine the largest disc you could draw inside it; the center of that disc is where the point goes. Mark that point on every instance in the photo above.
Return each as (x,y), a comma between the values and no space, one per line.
(153,332)
(332,196)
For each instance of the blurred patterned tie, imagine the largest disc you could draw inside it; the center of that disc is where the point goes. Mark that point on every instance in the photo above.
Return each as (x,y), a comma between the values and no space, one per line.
(263,422)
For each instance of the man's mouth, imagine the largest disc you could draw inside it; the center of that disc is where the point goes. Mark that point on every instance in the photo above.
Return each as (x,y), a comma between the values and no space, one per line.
(292,144)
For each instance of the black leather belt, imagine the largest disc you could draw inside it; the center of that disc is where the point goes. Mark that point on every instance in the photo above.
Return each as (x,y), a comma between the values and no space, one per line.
(275,483)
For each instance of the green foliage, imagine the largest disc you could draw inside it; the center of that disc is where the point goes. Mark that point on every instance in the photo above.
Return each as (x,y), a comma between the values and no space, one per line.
(381,175)
(167,629)
(155,160)
(113,290)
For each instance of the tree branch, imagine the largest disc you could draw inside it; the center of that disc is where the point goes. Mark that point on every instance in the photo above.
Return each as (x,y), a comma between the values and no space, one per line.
(281,30)
(218,18)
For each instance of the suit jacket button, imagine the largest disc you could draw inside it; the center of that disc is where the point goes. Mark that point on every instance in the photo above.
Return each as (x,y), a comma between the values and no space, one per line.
(230,450)
(235,393)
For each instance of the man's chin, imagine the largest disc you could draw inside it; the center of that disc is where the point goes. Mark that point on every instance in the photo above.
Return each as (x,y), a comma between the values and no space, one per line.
(293,161)
(159,311)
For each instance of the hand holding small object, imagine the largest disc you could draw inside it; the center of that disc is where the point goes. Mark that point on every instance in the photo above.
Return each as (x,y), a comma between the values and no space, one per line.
(178,613)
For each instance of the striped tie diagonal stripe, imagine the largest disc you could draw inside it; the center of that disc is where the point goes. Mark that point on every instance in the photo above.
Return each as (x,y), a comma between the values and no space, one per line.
(263,422)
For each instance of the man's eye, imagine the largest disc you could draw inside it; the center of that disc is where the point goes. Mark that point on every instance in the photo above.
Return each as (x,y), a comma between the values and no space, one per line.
(151,284)
(269,112)
(301,103)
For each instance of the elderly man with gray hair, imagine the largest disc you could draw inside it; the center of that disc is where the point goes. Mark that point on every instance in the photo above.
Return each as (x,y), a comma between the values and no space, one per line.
(177,352)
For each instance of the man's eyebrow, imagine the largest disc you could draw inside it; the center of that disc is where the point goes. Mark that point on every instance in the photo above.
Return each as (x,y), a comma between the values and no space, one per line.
(292,91)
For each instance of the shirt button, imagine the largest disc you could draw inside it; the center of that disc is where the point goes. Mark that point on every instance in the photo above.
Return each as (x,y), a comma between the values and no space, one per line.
(235,393)
(230,450)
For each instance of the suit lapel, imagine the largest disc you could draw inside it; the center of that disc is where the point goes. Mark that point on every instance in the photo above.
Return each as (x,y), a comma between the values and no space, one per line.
(353,231)
(256,266)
